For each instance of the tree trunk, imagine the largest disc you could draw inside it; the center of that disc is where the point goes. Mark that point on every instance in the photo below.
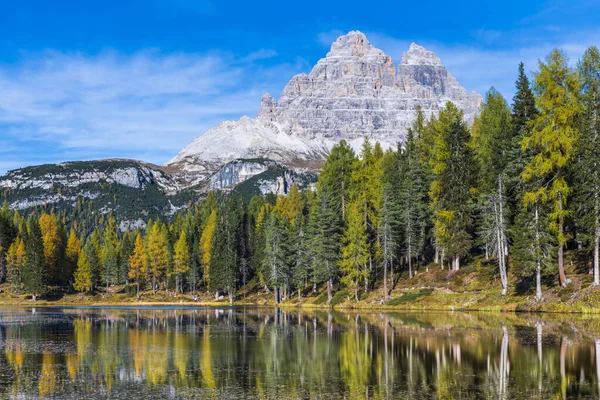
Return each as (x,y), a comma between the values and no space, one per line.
(138,289)
(299,295)
(385,286)
(230,298)
(456,263)
(596,257)
(538,274)
(561,268)
(410,272)
(329,286)
(153,285)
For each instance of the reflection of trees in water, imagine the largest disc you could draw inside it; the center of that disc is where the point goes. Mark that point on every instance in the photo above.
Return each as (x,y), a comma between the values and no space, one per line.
(209,353)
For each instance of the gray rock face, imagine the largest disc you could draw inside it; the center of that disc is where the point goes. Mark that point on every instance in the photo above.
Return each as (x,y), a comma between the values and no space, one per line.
(356,91)
(238,171)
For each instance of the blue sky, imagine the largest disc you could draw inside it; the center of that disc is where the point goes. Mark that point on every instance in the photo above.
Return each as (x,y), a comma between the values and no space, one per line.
(141,79)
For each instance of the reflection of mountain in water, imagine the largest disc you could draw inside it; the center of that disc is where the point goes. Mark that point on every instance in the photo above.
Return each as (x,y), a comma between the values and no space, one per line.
(235,353)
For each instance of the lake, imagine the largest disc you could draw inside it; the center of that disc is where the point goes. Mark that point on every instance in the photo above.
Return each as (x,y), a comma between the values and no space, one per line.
(160,353)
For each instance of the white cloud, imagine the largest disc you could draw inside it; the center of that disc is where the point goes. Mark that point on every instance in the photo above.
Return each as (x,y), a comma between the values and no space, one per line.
(139,104)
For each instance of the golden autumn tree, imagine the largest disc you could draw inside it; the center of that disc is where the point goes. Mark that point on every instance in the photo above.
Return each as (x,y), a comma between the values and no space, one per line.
(72,251)
(52,245)
(206,243)
(83,274)
(158,252)
(15,260)
(138,261)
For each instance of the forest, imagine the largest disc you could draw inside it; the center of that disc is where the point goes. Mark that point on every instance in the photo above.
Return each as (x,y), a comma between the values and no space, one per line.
(521,187)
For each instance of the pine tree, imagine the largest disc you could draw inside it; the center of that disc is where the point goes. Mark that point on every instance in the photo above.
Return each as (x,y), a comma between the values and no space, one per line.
(34,270)
(225,248)
(83,274)
(588,163)
(109,254)
(327,239)
(552,143)
(529,242)
(337,174)
(8,233)
(276,262)
(492,144)
(181,259)
(354,253)
(412,196)
(138,263)
(451,191)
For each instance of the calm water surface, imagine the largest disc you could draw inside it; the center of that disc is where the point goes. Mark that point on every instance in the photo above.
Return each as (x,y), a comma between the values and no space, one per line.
(263,353)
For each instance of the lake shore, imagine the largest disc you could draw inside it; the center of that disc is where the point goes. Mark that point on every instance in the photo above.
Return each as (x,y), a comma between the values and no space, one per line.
(473,288)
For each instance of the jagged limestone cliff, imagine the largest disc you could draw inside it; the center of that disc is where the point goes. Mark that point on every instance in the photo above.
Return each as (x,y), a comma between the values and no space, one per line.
(356,91)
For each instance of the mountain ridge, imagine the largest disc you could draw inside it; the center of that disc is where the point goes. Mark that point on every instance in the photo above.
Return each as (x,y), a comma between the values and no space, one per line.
(356,91)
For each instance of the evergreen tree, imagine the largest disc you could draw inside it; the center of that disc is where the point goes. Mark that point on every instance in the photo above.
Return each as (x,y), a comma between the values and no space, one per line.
(451,192)
(110,253)
(355,250)
(181,260)
(588,167)
(492,144)
(412,197)
(34,270)
(552,143)
(8,233)
(337,174)
(225,256)
(327,239)
(276,263)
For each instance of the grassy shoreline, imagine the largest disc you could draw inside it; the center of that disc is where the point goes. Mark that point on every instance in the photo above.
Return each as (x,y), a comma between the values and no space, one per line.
(474,288)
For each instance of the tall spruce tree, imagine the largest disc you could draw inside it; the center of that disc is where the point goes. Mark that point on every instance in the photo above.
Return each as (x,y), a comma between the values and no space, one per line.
(588,163)
(110,253)
(492,143)
(276,262)
(35,273)
(451,191)
(327,239)
(530,241)
(337,174)
(225,249)
(354,253)
(552,142)
(413,196)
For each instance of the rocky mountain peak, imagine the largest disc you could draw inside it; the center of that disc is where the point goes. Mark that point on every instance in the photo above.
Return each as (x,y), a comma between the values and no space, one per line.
(356,91)
(353,44)
(419,55)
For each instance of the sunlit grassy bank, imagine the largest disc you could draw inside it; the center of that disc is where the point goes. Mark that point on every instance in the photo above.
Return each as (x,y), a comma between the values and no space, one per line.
(475,287)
